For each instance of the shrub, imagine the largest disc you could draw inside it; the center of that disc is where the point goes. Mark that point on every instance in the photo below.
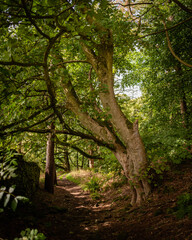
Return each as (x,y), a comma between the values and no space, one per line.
(93,185)
(184,206)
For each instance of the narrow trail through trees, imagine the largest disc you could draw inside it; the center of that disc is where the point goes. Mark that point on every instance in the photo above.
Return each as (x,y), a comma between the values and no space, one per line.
(71,214)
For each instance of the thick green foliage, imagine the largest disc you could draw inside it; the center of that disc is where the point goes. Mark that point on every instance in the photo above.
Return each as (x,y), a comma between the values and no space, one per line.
(27,102)
(184,206)
(8,164)
(94,184)
(108,164)
(170,145)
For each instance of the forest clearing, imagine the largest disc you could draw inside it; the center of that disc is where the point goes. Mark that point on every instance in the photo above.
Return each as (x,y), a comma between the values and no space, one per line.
(95,119)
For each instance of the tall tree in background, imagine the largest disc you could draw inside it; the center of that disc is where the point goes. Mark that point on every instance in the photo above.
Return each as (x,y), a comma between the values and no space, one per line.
(50,173)
(166,84)
(66,53)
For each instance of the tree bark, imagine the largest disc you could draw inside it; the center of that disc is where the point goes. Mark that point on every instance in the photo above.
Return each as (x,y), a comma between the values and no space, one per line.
(77,161)
(134,161)
(50,163)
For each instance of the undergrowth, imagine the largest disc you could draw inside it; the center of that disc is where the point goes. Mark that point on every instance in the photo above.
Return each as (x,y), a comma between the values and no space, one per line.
(96,183)
(184,206)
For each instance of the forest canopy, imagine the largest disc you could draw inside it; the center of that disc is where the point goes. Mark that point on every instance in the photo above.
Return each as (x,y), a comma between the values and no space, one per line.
(69,63)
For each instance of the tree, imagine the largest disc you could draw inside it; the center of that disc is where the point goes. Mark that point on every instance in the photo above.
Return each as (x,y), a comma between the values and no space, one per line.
(50,172)
(66,157)
(67,52)
(166,85)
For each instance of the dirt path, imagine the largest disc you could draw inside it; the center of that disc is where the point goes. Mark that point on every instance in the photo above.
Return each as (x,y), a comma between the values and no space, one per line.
(73,215)
(70,214)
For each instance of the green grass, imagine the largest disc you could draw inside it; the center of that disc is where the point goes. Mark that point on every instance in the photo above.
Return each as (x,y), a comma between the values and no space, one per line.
(96,183)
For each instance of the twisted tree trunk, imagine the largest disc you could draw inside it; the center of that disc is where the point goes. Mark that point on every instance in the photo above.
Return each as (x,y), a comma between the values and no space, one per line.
(121,135)
(134,163)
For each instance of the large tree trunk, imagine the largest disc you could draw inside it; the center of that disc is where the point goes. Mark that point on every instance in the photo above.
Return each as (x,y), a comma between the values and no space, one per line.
(117,131)
(50,163)
(134,163)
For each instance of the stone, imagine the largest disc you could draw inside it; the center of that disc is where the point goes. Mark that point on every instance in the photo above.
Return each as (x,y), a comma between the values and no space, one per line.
(27,177)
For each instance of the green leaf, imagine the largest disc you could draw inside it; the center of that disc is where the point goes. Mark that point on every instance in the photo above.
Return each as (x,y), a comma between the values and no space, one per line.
(6,200)
(2,191)
(11,189)
(41,236)
(23,199)
(14,204)
(1,210)
(24,232)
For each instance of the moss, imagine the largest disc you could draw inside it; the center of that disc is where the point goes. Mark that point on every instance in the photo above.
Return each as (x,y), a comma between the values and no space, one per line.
(27,180)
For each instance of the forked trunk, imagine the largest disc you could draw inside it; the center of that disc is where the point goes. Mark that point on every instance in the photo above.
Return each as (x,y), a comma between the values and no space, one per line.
(134,163)
(117,131)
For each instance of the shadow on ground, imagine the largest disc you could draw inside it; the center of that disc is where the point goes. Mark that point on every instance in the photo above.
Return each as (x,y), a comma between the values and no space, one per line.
(70,214)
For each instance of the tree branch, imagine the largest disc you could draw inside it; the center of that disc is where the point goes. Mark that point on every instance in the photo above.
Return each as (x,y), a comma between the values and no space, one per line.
(77,149)
(50,86)
(24,119)
(14,63)
(186,9)
(132,4)
(67,9)
(72,61)
(28,14)
(71,132)
(171,49)
(167,29)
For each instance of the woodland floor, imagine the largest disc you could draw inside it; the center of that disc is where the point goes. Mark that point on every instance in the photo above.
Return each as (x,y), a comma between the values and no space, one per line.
(70,214)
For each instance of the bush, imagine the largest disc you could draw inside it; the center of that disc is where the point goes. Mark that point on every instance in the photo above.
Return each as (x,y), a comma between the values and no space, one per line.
(93,185)
(184,206)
